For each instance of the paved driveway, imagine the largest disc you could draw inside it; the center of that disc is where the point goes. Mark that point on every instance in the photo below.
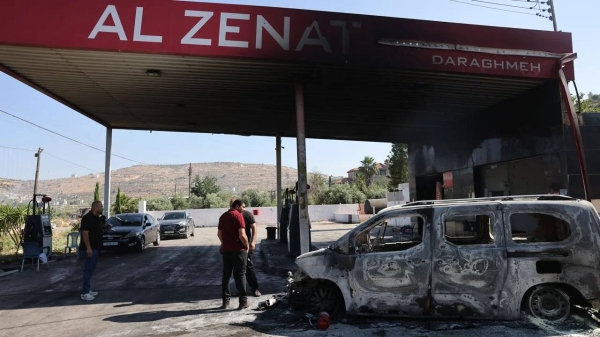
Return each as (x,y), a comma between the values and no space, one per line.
(174,290)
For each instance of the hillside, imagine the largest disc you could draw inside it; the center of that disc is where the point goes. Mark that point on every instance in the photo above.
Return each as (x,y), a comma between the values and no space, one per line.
(152,181)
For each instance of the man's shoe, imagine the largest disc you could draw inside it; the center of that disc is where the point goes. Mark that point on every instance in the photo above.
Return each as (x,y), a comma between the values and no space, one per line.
(244,306)
(93,293)
(256,293)
(87,297)
(225,305)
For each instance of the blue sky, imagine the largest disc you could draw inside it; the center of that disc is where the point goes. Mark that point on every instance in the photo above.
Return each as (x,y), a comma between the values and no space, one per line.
(329,157)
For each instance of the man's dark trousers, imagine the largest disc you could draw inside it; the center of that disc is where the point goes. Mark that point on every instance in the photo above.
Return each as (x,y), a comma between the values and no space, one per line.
(250,273)
(235,263)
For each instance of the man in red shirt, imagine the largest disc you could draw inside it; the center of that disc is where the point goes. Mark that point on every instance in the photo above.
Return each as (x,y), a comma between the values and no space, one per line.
(234,247)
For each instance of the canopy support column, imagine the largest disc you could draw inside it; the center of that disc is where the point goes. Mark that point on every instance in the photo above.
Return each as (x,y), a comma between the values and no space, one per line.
(107,172)
(302,191)
(278,189)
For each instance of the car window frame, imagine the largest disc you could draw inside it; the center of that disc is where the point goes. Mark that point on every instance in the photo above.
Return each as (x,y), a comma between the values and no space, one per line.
(551,212)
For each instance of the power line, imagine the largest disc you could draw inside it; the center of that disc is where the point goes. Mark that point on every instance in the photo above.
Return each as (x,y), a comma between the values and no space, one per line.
(87,168)
(498,9)
(51,155)
(16,148)
(71,139)
(500,4)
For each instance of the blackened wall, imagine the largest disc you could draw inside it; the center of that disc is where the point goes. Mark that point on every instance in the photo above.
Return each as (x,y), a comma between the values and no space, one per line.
(590,133)
(527,126)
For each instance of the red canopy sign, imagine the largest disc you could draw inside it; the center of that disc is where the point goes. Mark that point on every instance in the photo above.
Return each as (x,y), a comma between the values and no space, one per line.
(202,29)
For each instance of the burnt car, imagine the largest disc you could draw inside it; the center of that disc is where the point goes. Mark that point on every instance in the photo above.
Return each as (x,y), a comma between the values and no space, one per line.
(130,231)
(488,258)
(177,224)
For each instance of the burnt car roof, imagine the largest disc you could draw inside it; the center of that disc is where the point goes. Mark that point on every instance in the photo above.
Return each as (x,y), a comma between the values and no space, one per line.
(503,199)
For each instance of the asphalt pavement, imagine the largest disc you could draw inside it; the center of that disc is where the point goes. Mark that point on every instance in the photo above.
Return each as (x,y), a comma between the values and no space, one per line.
(174,290)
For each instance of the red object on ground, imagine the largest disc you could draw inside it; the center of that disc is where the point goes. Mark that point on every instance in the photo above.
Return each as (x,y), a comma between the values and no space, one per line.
(323,321)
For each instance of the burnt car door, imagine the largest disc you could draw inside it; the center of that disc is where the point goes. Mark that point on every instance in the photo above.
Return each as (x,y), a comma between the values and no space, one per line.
(469,260)
(393,265)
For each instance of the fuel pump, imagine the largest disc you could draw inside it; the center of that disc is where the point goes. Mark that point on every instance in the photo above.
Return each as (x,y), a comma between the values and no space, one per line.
(38,227)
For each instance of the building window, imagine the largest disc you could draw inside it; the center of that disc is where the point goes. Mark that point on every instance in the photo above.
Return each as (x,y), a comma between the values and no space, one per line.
(538,227)
(466,230)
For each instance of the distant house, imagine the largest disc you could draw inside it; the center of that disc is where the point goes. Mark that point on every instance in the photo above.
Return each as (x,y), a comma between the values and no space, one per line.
(352,174)
(382,170)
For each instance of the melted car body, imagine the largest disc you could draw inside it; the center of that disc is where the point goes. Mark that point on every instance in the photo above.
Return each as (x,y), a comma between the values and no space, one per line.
(474,258)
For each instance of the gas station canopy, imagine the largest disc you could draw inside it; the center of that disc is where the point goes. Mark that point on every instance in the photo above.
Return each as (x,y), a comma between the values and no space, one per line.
(213,68)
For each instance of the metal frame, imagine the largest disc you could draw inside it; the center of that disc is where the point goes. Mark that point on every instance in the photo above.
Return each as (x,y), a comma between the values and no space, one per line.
(574,121)
(544,197)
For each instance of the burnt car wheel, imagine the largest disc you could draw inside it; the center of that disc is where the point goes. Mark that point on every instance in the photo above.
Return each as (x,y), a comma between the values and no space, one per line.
(549,303)
(326,297)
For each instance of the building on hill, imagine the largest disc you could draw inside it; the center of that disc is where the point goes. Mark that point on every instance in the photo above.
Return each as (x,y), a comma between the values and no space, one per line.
(382,170)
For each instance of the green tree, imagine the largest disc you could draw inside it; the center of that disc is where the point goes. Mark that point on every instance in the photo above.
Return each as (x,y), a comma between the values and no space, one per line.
(124,203)
(97,192)
(159,204)
(179,203)
(205,186)
(196,202)
(360,182)
(255,198)
(343,194)
(589,104)
(368,168)
(318,185)
(213,200)
(12,219)
(397,162)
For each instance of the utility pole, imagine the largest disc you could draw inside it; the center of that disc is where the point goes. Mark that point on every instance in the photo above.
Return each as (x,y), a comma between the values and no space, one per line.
(37,171)
(190,182)
(552,11)
(175,190)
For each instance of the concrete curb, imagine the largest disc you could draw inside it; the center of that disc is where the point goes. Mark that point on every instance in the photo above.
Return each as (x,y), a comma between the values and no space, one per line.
(8,272)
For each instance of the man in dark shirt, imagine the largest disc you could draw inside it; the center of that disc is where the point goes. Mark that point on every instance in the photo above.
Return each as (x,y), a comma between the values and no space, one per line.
(234,246)
(91,243)
(250,223)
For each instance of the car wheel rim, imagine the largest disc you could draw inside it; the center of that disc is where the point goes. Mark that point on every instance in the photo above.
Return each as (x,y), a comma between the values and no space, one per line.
(550,304)
(157,237)
(142,243)
(323,299)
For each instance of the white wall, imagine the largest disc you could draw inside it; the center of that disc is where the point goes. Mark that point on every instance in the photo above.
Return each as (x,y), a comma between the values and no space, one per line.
(399,198)
(266,215)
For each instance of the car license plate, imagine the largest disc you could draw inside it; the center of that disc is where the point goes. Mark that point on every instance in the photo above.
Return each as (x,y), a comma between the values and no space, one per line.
(110,243)
(169,232)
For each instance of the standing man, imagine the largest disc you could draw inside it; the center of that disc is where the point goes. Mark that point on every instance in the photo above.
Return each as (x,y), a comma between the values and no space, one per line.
(251,226)
(234,246)
(89,247)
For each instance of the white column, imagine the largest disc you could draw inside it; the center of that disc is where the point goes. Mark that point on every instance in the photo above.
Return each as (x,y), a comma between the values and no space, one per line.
(107,172)
(302,172)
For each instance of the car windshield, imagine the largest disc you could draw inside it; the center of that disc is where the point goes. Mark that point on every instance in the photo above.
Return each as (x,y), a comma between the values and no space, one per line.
(174,216)
(125,221)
